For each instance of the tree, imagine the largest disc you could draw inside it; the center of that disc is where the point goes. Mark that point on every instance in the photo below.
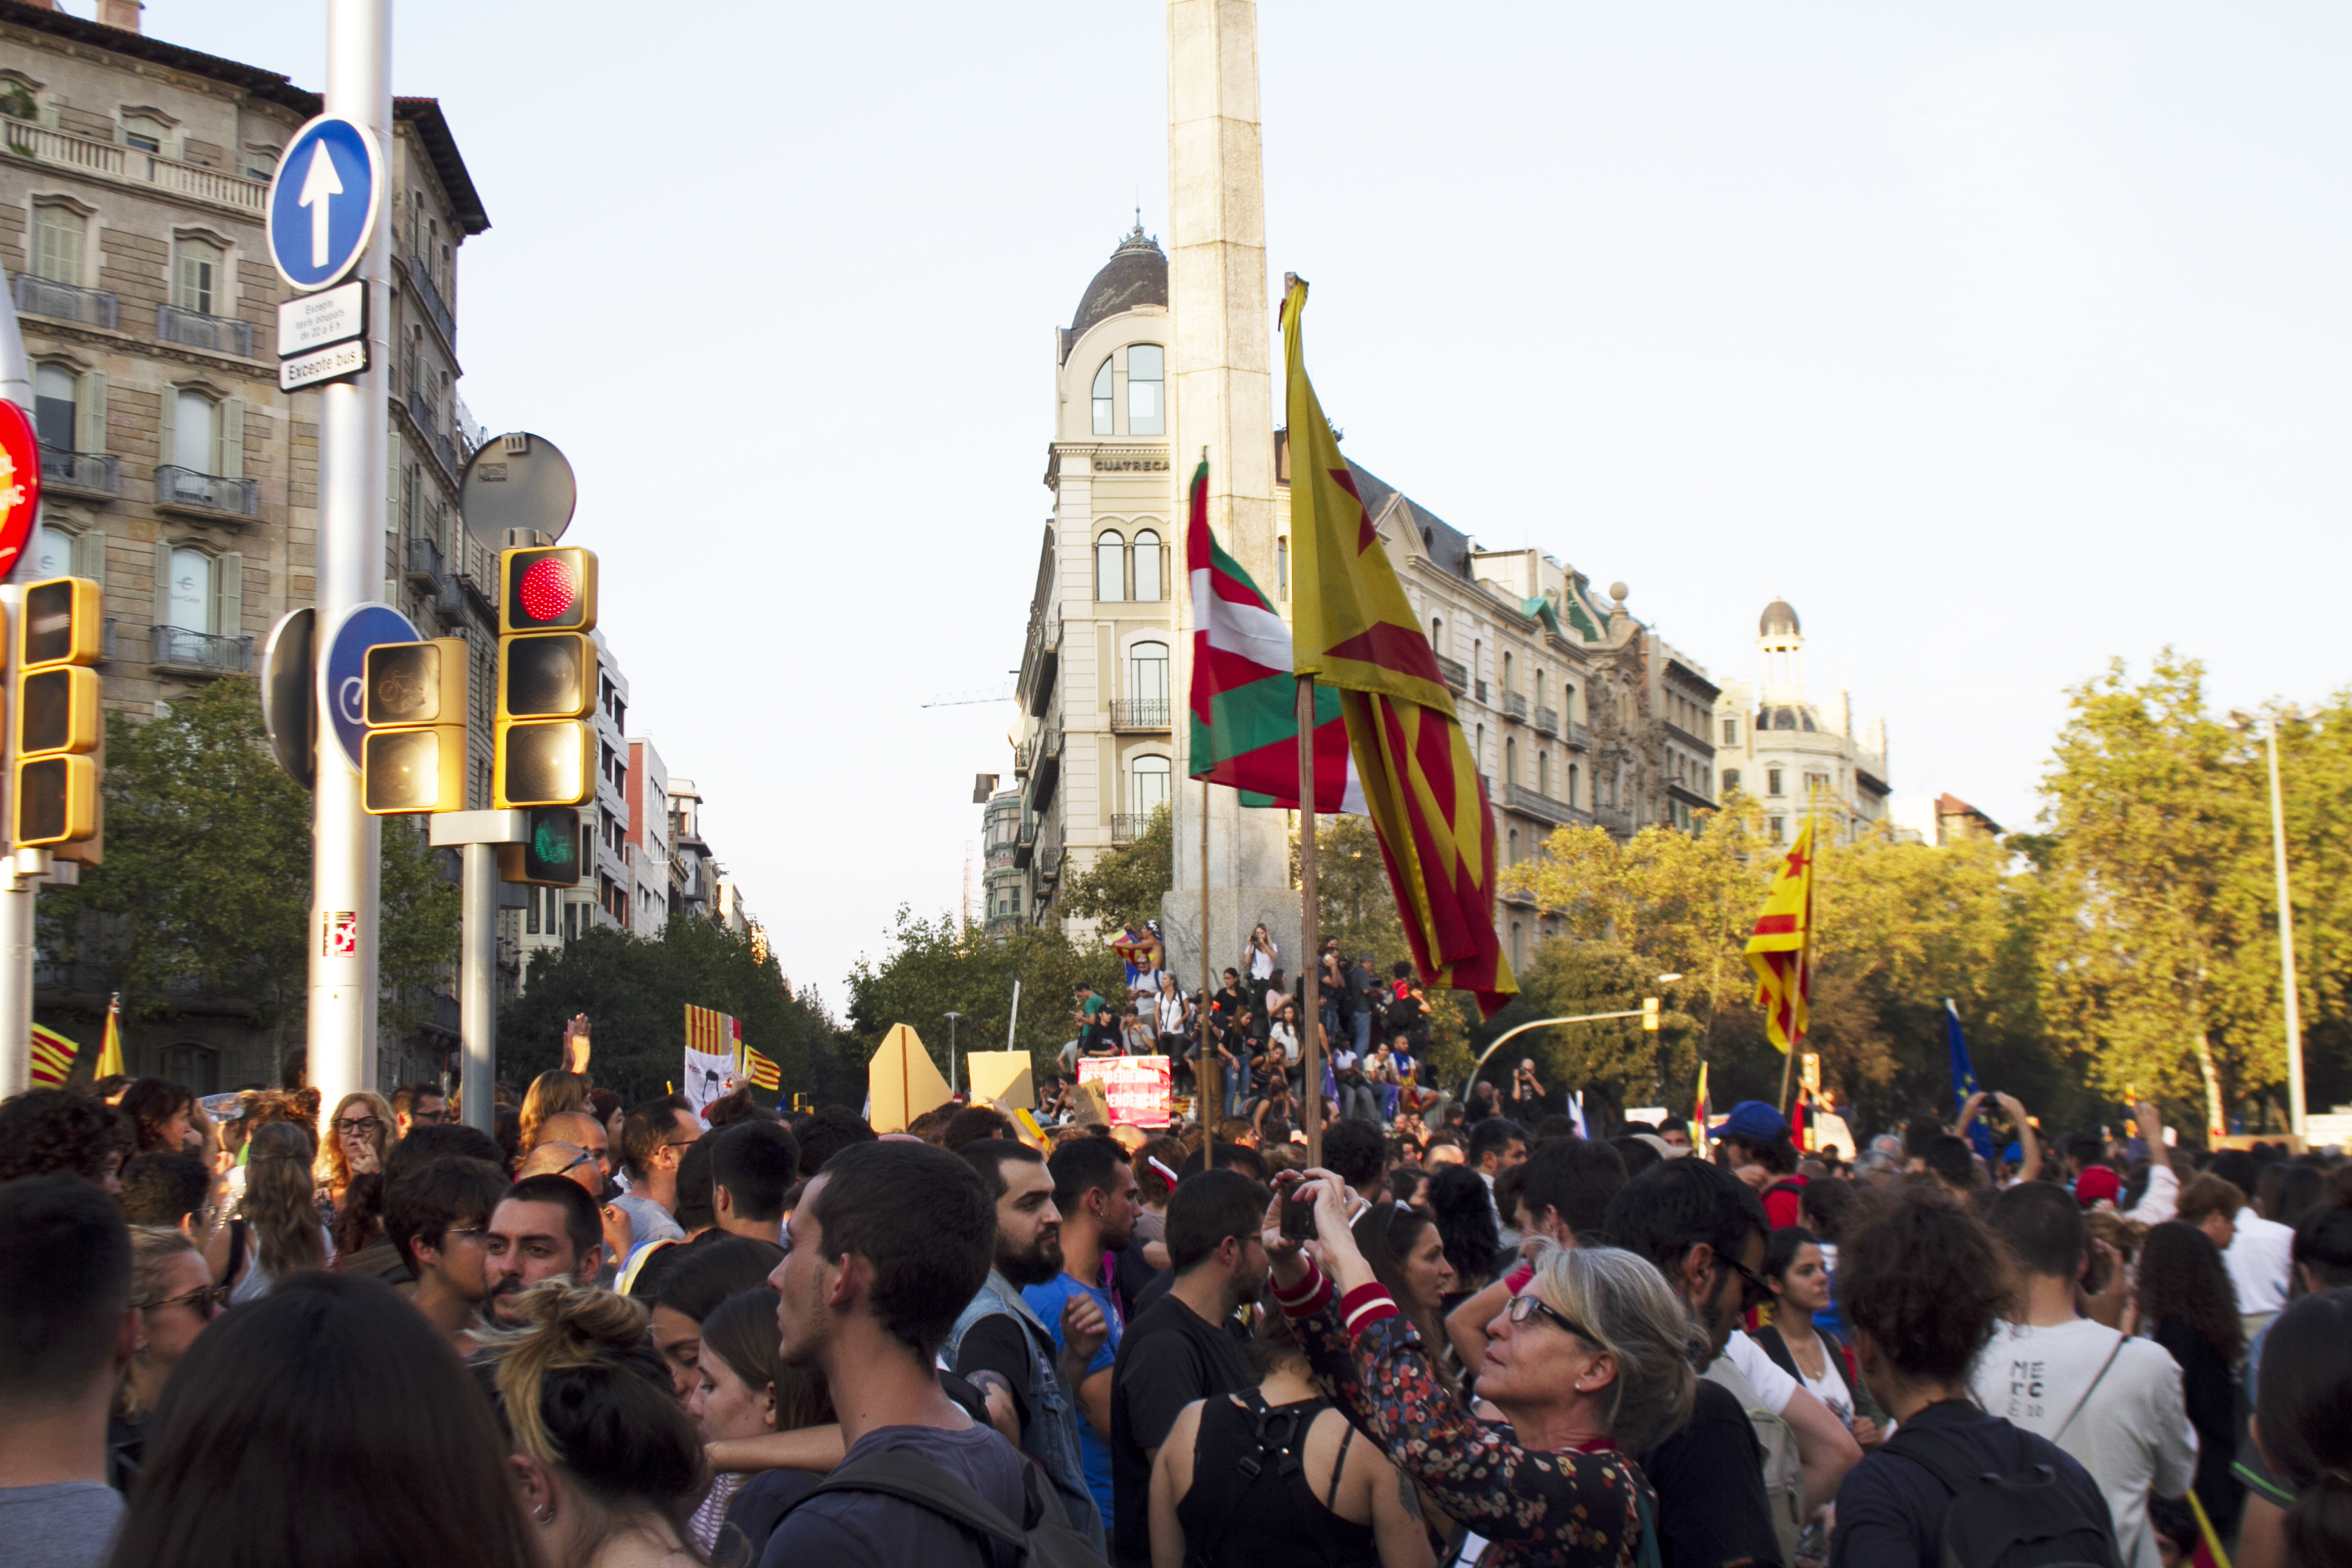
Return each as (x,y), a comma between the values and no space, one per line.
(635,992)
(1125,886)
(937,966)
(205,889)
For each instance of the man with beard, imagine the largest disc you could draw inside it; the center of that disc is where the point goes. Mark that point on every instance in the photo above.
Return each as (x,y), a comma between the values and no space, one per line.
(1178,1350)
(1094,1188)
(1002,1346)
(546,1227)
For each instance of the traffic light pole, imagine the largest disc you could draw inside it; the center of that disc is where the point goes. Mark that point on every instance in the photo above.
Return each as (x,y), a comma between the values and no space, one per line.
(15,890)
(353,460)
(478,835)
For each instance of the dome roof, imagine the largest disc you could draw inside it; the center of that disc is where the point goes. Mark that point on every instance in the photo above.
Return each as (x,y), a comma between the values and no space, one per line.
(1779,619)
(1135,274)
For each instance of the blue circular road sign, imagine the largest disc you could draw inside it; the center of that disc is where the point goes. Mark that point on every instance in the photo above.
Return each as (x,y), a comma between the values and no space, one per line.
(323,205)
(343,672)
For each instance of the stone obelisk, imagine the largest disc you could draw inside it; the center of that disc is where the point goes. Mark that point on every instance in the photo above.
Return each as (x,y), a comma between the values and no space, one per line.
(1221,386)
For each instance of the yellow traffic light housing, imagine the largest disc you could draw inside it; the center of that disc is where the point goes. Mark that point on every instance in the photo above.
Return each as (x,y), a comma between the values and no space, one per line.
(63,622)
(57,711)
(547,588)
(549,676)
(57,729)
(412,698)
(56,800)
(1649,1014)
(545,763)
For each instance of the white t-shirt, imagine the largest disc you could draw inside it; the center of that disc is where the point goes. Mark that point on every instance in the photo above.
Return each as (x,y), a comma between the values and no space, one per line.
(2257,1258)
(1830,1387)
(2132,1432)
(1772,1385)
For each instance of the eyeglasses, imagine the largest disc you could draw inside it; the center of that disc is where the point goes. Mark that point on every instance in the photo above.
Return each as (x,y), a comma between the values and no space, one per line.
(469,1231)
(428,1118)
(354,1126)
(575,1164)
(1524,1307)
(1753,1290)
(211,1298)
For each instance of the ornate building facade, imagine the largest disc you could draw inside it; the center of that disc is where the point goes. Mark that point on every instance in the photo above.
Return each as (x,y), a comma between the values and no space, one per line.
(1791,754)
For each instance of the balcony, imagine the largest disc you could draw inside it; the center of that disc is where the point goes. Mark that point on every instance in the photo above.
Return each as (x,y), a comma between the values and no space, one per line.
(1024,848)
(420,276)
(1457,673)
(185,490)
(91,473)
(1518,898)
(1046,772)
(193,329)
(135,166)
(423,565)
(1617,819)
(64,302)
(1140,713)
(1050,854)
(1543,809)
(1577,735)
(176,648)
(1548,720)
(1024,757)
(1127,826)
(1515,706)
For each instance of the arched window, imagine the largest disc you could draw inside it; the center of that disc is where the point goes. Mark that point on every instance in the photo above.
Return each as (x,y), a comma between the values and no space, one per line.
(189,599)
(1543,773)
(56,395)
(1570,796)
(1102,399)
(1149,584)
(1282,567)
(1150,792)
(1147,681)
(1436,635)
(196,444)
(1147,410)
(1110,568)
(1507,672)
(1478,757)
(1510,761)
(1519,948)
(53,554)
(1515,849)
(1540,701)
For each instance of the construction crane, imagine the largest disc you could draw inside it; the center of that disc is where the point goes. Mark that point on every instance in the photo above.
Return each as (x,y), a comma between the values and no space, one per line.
(1003,693)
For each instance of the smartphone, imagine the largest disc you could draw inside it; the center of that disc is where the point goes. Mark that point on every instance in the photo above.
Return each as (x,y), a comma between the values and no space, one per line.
(1297,1209)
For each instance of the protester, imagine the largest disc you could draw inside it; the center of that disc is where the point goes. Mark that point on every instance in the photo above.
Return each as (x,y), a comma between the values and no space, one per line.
(280,1202)
(584,1131)
(160,1113)
(830,1129)
(2302,1422)
(1794,1268)
(1402,1248)
(1923,1285)
(886,1246)
(2188,1306)
(1177,1350)
(550,1094)
(417,1105)
(1594,1360)
(697,1218)
(1275,1474)
(359,1133)
(753,1165)
(1031,1363)
(176,1299)
(545,1229)
(653,1137)
(164,1189)
(1569,1183)
(1094,1191)
(693,1290)
(63,1132)
(438,1217)
(742,1392)
(68,1333)
(606,1458)
(1463,1207)
(2257,1251)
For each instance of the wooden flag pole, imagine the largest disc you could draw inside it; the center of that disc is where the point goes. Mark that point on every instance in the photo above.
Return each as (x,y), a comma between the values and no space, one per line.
(1805,954)
(1310,939)
(1205,1077)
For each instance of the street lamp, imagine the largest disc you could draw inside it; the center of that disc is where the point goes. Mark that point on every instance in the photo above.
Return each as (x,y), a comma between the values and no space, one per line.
(952,1018)
(1480,1064)
(2245,723)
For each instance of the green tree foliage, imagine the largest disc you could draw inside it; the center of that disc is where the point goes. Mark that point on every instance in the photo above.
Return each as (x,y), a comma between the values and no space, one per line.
(937,966)
(205,889)
(1125,885)
(635,992)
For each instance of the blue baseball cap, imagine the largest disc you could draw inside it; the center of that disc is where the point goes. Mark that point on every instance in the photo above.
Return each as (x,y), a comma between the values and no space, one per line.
(2014,1156)
(1753,1121)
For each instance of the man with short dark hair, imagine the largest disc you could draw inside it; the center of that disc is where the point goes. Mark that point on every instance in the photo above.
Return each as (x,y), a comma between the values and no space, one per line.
(1952,1163)
(1355,1152)
(164,1189)
(830,1128)
(890,1242)
(753,1165)
(545,1229)
(63,1132)
(2112,1400)
(1005,1345)
(654,1138)
(416,1105)
(445,1140)
(439,1218)
(66,1332)
(1177,1350)
(1568,1186)
(1094,1188)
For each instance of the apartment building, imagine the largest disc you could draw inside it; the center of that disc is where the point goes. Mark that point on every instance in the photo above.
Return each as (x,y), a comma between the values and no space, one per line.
(1793,754)
(650,866)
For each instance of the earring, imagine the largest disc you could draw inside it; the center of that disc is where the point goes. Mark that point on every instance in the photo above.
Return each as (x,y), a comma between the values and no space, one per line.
(546,1516)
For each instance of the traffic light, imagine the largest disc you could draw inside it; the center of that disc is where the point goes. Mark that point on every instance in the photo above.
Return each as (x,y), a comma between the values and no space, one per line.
(546,748)
(1649,1014)
(548,856)
(413,701)
(61,632)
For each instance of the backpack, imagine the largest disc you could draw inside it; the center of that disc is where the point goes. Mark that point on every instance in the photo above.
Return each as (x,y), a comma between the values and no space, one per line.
(2013,1519)
(1048,1542)
(1783,1467)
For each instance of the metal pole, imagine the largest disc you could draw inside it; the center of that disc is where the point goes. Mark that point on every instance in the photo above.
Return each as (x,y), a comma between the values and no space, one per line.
(478,979)
(1205,1077)
(1310,939)
(2286,945)
(17,895)
(1479,1065)
(353,460)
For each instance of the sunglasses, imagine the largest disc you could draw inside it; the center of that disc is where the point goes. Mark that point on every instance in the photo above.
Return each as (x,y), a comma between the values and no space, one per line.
(1753,1290)
(211,1298)
(1524,1307)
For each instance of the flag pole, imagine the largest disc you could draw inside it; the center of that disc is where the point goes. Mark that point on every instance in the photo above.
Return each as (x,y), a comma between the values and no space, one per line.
(1311,941)
(1804,953)
(1205,1076)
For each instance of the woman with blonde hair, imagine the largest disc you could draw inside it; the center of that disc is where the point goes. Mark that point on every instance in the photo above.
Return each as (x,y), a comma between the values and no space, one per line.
(551,1093)
(176,1299)
(606,1459)
(281,1206)
(359,1135)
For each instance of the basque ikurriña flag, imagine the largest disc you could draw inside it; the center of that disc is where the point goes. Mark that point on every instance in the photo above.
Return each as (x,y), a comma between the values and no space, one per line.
(1245,701)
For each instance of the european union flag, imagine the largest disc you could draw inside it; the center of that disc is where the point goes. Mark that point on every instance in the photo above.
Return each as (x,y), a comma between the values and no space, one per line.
(1964,1080)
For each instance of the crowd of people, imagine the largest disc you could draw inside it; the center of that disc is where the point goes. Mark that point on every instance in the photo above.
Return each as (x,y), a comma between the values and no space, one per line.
(604,1336)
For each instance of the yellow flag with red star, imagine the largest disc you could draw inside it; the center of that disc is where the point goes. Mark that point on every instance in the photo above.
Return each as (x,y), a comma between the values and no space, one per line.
(1780,947)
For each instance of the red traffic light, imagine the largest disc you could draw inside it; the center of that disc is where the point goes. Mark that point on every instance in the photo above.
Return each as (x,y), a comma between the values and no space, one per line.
(548,588)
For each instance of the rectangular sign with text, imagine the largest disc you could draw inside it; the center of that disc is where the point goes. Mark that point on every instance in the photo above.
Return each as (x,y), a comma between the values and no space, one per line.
(1134,1088)
(310,321)
(329,364)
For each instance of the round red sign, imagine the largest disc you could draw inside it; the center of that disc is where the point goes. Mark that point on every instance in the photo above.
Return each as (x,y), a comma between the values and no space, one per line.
(20,483)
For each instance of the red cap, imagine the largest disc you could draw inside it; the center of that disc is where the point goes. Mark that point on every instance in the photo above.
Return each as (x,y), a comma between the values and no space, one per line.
(2097,1182)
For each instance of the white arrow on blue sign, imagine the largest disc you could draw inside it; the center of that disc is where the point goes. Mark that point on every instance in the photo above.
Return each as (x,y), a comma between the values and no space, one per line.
(323,205)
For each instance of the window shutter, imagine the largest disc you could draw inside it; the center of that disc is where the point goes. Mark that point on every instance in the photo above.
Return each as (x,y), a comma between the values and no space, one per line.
(232,439)
(391,484)
(167,445)
(163,580)
(90,555)
(228,595)
(89,417)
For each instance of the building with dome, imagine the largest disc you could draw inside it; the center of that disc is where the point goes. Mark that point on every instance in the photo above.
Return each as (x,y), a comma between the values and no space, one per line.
(1773,745)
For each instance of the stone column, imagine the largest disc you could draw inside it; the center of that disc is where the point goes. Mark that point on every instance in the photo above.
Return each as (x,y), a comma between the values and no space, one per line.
(1221,389)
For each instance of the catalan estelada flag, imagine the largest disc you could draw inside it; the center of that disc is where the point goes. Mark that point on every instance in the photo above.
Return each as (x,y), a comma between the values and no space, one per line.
(1353,628)
(761,1070)
(1244,698)
(1781,947)
(53,1058)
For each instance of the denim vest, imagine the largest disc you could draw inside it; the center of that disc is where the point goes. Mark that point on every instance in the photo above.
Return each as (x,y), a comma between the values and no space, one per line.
(1051,1434)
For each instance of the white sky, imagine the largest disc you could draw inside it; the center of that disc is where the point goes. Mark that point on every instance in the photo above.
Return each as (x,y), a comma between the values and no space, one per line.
(2001,338)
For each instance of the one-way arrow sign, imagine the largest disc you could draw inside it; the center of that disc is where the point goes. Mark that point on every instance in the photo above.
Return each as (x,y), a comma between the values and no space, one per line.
(323,205)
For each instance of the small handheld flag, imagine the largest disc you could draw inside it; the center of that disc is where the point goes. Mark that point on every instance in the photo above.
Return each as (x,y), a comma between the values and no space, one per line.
(53,1058)
(761,1070)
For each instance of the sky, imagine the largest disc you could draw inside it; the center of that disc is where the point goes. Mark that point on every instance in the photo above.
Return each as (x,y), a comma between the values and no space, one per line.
(2003,340)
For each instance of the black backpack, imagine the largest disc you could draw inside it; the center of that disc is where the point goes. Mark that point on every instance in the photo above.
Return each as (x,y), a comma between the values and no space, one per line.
(1045,1540)
(2018,1518)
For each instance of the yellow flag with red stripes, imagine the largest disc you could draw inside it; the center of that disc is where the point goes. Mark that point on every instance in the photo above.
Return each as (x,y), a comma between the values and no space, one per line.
(1780,947)
(53,1058)
(761,1070)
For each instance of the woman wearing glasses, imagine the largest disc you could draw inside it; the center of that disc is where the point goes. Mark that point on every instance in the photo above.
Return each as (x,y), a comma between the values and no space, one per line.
(1592,1359)
(358,1135)
(176,1299)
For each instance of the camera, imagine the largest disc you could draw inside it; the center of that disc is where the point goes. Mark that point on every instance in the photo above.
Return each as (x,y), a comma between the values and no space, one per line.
(1297,1207)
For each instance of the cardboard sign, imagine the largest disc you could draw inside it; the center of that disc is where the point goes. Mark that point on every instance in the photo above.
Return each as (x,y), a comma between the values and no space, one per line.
(902,1081)
(1135,1089)
(1002,1078)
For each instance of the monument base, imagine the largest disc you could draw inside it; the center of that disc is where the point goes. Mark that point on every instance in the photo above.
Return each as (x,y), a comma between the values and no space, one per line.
(1234,912)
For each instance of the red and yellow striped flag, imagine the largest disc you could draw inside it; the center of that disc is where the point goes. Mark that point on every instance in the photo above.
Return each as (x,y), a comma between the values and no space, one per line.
(1354,629)
(713,1034)
(1781,947)
(53,1058)
(761,1070)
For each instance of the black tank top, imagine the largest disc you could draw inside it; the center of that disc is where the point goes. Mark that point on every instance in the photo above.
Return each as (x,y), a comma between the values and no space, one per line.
(1250,1506)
